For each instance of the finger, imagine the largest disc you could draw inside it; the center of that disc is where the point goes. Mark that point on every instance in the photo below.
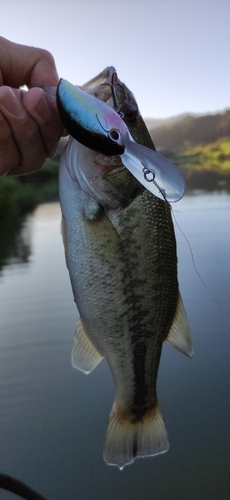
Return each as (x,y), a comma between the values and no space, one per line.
(23,65)
(44,111)
(9,153)
(25,132)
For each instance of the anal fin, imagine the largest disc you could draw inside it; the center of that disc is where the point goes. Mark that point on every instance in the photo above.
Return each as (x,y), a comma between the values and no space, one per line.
(179,333)
(85,356)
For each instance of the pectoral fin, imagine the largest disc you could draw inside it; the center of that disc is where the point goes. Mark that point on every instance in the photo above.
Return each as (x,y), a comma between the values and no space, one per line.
(85,356)
(179,333)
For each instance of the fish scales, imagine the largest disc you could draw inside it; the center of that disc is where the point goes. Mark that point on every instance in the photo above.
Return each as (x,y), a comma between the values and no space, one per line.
(149,286)
(121,255)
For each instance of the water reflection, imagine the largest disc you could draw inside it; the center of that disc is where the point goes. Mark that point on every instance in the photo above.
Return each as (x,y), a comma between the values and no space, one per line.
(21,249)
(53,418)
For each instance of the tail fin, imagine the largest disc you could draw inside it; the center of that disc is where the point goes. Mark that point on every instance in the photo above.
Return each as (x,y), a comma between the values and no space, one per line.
(127,439)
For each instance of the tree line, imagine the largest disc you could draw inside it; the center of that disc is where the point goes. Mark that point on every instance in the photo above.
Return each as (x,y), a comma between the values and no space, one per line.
(191,131)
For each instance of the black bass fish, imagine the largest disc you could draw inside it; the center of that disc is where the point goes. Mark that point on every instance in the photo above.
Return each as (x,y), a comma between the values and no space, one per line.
(121,255)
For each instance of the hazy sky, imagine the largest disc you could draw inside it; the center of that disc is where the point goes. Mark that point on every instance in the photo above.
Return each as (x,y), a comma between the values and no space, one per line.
(173,54)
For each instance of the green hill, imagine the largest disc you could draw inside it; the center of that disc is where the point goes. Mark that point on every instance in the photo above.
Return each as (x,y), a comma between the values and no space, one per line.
(200,147)
(205,166)
(191,131)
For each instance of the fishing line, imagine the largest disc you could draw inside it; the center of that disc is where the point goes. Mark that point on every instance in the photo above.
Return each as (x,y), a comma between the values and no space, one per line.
(193,261)
(19,488)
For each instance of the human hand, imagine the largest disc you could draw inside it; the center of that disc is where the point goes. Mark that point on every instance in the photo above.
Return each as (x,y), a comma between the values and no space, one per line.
(30,127)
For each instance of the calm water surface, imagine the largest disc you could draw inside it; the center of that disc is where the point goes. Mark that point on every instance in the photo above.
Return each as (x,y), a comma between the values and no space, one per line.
(53,418)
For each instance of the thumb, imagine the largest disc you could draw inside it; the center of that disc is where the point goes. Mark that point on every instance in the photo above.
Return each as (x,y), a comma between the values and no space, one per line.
(24,65)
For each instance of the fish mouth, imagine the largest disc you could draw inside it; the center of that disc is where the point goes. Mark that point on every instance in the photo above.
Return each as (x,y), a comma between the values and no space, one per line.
(102,86)
(107,164)
(108,88)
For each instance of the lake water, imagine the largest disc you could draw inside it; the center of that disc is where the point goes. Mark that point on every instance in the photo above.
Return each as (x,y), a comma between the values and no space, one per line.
(53,418)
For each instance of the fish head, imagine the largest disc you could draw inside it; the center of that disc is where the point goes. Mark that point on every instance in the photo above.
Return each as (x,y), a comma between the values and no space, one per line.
(155,172)
(124,102)
(105,118)
(109,88)
(100,126)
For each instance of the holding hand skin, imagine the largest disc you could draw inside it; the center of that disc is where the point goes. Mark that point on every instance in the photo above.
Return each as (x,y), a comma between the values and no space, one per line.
(30,127)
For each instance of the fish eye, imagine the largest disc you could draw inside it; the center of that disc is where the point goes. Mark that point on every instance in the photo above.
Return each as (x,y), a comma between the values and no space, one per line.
(114,135)
(130,115)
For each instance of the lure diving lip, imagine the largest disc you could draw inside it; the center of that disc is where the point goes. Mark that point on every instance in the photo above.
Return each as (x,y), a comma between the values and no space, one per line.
(99,127)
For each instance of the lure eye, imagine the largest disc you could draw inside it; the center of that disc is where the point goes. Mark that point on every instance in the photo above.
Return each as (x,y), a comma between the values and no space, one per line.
(114,135)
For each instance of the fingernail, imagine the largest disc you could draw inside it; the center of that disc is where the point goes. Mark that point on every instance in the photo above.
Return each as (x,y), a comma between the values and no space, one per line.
(12,104)
(42,108)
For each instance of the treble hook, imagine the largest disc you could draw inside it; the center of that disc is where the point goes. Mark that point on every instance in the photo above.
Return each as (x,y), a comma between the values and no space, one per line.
(112,85)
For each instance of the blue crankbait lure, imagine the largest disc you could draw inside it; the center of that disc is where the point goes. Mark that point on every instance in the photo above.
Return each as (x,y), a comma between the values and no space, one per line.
(99,127)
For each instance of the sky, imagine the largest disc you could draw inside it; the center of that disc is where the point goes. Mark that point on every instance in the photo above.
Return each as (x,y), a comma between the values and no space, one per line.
(172,54)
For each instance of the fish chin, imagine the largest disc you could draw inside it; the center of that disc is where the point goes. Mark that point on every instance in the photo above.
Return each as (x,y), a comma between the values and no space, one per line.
(102,178)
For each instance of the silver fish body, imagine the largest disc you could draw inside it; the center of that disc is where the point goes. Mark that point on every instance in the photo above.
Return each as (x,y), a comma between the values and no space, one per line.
(121,256)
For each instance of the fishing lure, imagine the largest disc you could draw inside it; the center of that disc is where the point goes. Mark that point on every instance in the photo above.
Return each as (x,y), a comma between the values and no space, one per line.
(99,127)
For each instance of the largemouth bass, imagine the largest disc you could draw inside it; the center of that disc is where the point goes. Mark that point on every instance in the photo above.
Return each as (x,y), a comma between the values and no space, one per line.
(121,255)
